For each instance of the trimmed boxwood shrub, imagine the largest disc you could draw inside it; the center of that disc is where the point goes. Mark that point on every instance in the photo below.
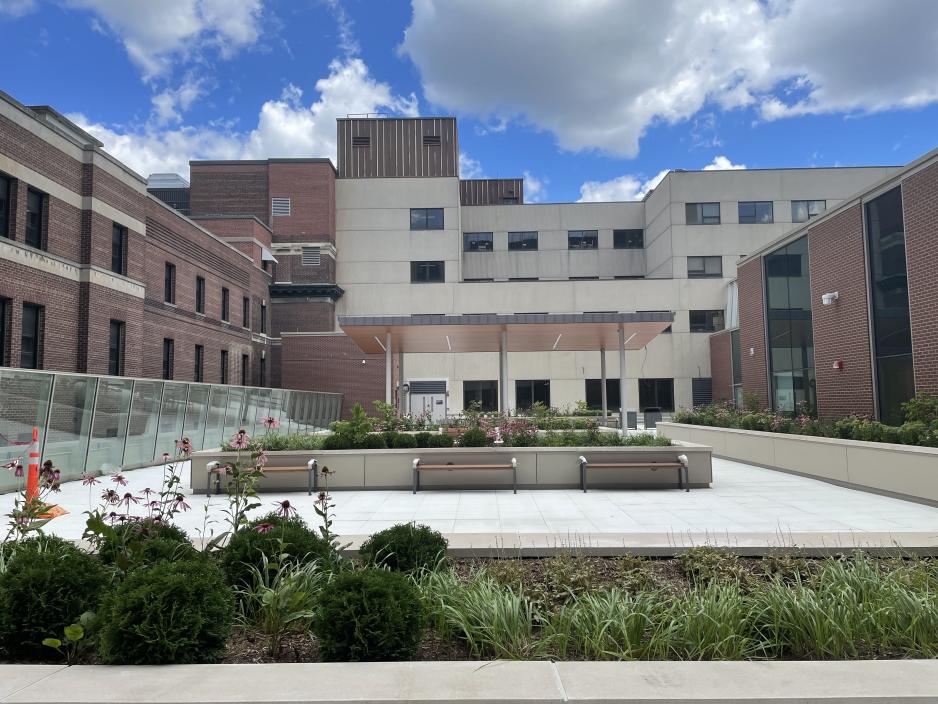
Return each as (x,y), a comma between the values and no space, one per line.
(270,536)
(405,547)
(170,612)
(474,437)
(403,441)
(143,542)
(371,441)
(367,616)
(438,440)
(47,585)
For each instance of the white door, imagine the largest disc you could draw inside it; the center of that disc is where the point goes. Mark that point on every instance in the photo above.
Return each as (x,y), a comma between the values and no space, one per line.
(428,397)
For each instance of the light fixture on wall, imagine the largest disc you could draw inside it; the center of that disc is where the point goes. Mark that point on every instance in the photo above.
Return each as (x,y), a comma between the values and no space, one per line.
(828,298)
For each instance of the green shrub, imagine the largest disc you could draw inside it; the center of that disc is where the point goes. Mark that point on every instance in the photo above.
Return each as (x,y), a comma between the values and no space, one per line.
(440,440)
(474,437)
(403,441)
(367,616)
(141,542)
(170,612)
(335,442)
(271,537)
(923,408)
(374,441)
(912,433)
(47,585)
(422,439)
(405,547)
(273,442)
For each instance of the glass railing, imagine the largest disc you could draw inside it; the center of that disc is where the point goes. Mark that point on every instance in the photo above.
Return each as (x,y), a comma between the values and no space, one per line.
(99,424)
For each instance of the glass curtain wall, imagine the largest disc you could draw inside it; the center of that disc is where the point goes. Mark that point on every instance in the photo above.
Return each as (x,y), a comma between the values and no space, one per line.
(791,340)
(892,330)
(100,424)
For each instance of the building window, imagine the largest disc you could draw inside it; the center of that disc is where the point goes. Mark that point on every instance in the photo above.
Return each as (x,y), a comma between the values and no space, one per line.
(426,218)
(484,394)
(5,323)
(656,393)
(756,212)
(199,295)
(31,337)
(477,241)
(702,213)
(223,376)
(706,320)
(594,393)
(263,318)
(531,391)
(169,283)
(701,391)
(6,192)
(804,210)
(280,207)
(522,240)
(118,249)
(628,239)
(790,335)
(704,267)
(169,353)
(245,369)
(263,372)
(310,256)
(115,349)
(199,363)
(224,304)
(35,204)
(246,312)
(427,272)
(889,284)
(582,239)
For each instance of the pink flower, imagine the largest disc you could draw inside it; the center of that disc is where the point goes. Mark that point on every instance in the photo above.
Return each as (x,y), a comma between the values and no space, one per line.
(165,457)
(119,479)
(110,496)
(264,527)
(240,440)
(271,422)
(89,480)
(262,459)
(128,499)
(18,472)
(184,446)
(285,509)
(179,503)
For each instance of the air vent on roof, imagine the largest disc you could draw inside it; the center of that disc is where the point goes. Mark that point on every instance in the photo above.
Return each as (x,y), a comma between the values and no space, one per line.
(361,141)
(431,140)
(310,256)
(280,207)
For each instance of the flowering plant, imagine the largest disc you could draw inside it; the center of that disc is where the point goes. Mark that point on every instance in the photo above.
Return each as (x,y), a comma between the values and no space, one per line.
(31,513)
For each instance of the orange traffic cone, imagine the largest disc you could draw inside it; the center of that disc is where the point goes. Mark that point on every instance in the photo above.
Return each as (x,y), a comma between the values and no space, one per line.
(32,480)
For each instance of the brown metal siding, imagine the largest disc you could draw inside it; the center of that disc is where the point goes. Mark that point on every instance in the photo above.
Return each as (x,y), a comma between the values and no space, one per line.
(490,191)
(396,148)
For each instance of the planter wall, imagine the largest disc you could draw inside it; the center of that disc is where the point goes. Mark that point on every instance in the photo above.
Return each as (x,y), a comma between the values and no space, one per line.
(538,467)
(901,470)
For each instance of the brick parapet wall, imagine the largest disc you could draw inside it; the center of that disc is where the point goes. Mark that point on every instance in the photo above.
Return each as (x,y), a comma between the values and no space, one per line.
(752,329)
(721,365)
(229,189)
(311,189)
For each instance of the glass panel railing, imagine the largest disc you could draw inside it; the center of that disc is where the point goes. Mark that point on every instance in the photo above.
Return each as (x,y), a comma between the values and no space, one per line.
(215,425)
(24,403)
(172,417)
(69,424)
(196,411)
(233,415)
(109,429)
(144,418)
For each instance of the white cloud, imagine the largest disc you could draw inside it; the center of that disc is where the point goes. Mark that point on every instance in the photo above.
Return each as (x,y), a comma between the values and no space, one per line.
(722,163)
(17,8)
(286,127)
(169,104)
(535,188)
(469,167)
(157,34)
(598,73)
(626,187)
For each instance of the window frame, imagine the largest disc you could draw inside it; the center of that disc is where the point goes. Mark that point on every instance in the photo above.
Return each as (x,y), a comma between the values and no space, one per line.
(584,239)
(169,283)
(225,305)
(119,248)
(223,367)
(6,200)
(711,317)
(754,218)
(422,221)
(37,328)
(246,312)
(481,389)
(520,238)
(807,206)
(703,271)
(6,320)
(200,295)
(40,243)
(169,358)
(415,267)
(116,348)
(263,318)
(198,375)
(245,369)
(620,238)
(700,217)
(469,239)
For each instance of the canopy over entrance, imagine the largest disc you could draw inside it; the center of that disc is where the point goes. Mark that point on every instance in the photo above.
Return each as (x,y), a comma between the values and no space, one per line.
(527,332)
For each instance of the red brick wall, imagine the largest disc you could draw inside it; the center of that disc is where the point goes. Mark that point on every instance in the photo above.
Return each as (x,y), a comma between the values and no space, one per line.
(302,315)
(25,148)
(229,189)
(721,366)
(920,209)
(752,329)
(841,330)
(290,267)
(333,363)
(311,189)
(98,306)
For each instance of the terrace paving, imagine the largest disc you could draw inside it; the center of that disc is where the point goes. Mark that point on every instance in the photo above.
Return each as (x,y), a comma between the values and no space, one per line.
(746,507)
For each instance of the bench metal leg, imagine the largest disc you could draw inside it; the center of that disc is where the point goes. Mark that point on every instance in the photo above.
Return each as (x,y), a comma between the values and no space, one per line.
(686,480)
(680,478)
(514,475)
(416,476)
(583,464)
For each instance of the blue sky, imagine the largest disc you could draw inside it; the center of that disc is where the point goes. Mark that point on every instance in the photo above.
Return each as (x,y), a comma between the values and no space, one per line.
(588,100)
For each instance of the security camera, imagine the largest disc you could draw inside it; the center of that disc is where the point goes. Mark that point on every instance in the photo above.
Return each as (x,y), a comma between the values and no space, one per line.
(828,298)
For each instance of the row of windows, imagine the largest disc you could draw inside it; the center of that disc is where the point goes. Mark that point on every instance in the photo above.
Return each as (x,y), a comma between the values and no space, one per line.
(434,272)
(576,239)
(756,212)
(169,296)
(198,372)
(652,393)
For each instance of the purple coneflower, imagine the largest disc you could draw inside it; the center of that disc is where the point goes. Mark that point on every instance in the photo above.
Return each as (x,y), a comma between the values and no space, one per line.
(128,499)
(18,472)
(119,479)
(285,509)
(262,459)
(184,446)
(89,480)
(179,503)
(264,527)
(271,422)
(240,440)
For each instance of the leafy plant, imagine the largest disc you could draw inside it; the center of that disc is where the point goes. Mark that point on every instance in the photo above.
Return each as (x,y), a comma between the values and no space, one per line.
(606,625)
(368,615)
(74,642)
(923,408)
(133,543)
(169,612)
(405,547)
(705,564)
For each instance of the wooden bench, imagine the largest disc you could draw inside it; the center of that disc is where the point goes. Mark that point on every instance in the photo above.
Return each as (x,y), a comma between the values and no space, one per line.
(217,469)
(453,467)
(680,466)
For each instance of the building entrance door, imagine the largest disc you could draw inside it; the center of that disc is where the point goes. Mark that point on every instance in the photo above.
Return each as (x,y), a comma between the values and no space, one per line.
(428,397)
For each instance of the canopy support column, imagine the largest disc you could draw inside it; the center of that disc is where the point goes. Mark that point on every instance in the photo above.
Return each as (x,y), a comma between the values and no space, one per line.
(401,399)
(388,398)
(622,403)
(602,370)
(503,373)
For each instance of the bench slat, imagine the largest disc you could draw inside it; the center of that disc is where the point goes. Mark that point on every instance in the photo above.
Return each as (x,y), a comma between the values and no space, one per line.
(611,465)
(464,466)
(268,470)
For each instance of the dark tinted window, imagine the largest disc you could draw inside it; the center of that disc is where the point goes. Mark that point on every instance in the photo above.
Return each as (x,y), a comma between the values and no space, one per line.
(628,239)
(756,212)
(169,283)
(246,312)
(6,192)
(5,314)
(702,213)
(199,363)
(426,218)
(522,240)
(262,372)
(656,393)
(31,337)
(35,204)
(594,394)
(115,356)
(264,318)
(531,391)
(706,320)
(118,249)
(582,239)
(482,393)
(426,272)
(245,369)
(199,294)
(223,377)
(704,267)
(169,352)
(224,304)
(477,241)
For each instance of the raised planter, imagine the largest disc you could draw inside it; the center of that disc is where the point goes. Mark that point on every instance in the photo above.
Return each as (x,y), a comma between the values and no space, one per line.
(906,471)
(538,467)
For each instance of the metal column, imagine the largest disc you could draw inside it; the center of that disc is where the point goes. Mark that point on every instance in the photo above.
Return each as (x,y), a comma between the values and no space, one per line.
(401,401)
(388,397)
(622,404)
(503,373)
(602,371)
